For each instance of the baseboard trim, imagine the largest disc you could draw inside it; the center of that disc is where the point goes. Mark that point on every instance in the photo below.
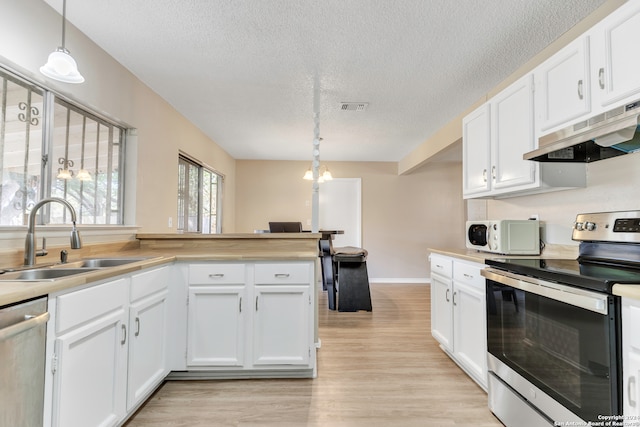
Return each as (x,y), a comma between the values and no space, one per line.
(420,280)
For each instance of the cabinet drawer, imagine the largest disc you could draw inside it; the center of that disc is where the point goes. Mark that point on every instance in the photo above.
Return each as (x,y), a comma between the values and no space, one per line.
(269,274)
(148,282)
(81,306)
(468,273)
(211,274)
(442,266)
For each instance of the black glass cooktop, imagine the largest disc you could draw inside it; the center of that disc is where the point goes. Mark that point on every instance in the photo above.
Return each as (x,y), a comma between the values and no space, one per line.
(588,275)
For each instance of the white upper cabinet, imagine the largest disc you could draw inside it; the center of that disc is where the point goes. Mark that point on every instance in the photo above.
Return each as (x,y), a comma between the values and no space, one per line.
(513,135)
(563,86)
(495,136)
(476,157)
(615,60)
(596,72)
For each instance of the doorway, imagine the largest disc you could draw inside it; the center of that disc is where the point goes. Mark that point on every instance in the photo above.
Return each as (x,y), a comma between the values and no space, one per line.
(340,208)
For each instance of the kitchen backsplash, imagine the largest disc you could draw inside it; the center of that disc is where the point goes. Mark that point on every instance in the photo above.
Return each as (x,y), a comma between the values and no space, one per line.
(612,184)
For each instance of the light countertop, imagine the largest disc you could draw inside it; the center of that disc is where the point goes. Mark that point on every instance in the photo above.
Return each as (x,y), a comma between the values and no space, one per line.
(550,252)
(629,291)
(160,249)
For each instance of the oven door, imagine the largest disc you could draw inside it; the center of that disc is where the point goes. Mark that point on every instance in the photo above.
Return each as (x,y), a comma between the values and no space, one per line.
(559,338)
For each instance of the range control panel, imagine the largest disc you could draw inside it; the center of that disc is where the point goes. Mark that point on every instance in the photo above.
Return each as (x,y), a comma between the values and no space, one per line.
(626,226)
(621,226)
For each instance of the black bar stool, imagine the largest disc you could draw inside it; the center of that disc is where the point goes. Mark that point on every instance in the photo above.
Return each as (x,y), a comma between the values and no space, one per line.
(352,279)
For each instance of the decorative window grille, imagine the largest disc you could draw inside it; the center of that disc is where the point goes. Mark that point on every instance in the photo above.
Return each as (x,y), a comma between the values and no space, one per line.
(52,148)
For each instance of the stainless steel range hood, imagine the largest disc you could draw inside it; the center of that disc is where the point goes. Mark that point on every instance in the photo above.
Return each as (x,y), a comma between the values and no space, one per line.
(606,135)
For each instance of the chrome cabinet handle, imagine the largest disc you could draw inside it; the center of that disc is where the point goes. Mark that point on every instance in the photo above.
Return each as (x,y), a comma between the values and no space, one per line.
(580,94)
(493,172)
(282,275)
(446,295)
(216,275)
(124,335)
(240,305)
(630,388)
(454,298)
(601,77)
(137,326)
(484,175)
(256,303)
(439,266)
(468,276)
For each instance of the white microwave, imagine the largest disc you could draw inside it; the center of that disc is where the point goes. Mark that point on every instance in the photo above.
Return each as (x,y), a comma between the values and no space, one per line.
(504,236)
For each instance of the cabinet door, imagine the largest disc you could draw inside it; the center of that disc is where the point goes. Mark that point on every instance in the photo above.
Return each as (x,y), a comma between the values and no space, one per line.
(476,146)
(147,346)
(470,332)
(617,63)
(513,135)
(441,314)
(282,332)
(631,357)
(90,379)
(562,86)
(216,326)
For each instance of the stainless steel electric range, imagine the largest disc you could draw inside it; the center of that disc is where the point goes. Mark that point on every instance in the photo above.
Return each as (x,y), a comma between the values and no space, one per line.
(553,327)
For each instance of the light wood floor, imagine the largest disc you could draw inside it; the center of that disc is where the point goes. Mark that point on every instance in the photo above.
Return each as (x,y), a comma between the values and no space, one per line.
(374,369)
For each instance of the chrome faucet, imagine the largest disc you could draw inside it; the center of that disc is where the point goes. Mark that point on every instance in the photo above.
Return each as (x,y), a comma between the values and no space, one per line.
(30,252)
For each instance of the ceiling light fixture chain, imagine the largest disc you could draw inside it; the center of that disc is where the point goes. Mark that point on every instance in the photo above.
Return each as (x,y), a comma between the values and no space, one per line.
(60,65)
(315,167)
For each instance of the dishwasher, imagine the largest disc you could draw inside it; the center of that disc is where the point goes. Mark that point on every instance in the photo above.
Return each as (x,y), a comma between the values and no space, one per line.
(22,357)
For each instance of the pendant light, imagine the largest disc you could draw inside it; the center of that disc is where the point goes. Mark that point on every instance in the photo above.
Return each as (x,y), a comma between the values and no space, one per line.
(60,65)
(323,176)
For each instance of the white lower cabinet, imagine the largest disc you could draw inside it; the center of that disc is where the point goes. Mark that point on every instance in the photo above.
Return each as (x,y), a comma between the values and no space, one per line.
(281,333)
(216,326)
(90,360)
(458,317)
(147,364)
(106,350)
(441,306)
(108,344)
(631,358)
(250,316)
(469,320)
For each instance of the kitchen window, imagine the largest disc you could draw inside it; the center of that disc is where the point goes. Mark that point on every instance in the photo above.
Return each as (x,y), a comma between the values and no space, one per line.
(52,148)
(199,196)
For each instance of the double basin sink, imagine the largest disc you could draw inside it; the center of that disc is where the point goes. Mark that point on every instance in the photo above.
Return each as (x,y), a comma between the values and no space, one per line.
(59,271)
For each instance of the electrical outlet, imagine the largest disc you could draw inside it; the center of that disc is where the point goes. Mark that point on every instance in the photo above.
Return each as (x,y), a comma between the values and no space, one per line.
(170,222)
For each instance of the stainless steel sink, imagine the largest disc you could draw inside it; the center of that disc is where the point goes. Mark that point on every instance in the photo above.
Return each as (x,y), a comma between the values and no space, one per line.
(107,262)
(59,271)
(42,274)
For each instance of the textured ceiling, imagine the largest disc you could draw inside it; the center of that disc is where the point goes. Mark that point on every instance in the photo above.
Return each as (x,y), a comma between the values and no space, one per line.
(246,71)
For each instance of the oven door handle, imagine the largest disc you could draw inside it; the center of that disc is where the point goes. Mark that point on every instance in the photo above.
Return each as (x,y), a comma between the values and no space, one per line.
(588,300)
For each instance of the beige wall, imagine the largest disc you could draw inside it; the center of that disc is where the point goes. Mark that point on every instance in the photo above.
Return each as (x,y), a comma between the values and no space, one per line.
(30,30)
(402,216)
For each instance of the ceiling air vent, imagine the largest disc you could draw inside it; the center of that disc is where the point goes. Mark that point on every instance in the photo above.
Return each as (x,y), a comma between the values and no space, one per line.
(354,106)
